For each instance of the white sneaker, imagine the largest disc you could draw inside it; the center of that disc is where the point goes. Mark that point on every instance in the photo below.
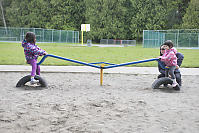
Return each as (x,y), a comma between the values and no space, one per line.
(32,82)
(174,83)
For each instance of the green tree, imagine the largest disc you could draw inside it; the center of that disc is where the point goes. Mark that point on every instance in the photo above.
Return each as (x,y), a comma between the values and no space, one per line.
(4,4)
(106,18)
(191,18)
(147,15)
(24,13)
(175,11)
(66,14)
(55,14)
(113,19)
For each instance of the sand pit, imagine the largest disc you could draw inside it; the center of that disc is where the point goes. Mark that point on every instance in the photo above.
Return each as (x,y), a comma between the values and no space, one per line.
(76,103)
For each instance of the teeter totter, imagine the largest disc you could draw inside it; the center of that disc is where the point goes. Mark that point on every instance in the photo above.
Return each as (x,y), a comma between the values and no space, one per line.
(42,83)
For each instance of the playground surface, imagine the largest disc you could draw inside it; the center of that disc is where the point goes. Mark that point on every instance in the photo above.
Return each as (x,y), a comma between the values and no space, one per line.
(74,102)
(87,69)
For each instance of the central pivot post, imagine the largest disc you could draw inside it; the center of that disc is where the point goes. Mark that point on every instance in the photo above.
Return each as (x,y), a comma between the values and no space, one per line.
(101,74)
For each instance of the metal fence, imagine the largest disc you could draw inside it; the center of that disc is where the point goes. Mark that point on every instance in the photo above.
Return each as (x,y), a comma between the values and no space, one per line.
(42,35)
(188,38)
(118,42)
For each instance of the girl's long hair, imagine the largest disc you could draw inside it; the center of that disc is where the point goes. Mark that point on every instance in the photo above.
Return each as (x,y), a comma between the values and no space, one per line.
(160,50)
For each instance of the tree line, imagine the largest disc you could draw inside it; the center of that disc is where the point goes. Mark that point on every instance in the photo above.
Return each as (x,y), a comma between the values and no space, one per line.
(109,19)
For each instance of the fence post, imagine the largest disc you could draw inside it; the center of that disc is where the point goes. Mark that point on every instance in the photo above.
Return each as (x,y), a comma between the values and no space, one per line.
(76,38)
(198,40)
(143,39)
(66,35)
(52,35)
(43,35)
(20,37)
(177,38)
(189,39)
(59,35)
(73,37)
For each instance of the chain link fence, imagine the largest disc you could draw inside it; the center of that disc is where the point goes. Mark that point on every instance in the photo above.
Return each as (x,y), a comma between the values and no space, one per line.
(42,35)
(182,38)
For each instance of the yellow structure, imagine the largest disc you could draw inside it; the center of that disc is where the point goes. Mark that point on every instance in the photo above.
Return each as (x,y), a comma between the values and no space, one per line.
(101,74)
(84,27)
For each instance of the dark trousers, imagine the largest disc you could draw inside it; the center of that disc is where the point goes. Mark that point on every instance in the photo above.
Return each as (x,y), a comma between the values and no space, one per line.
(177,75)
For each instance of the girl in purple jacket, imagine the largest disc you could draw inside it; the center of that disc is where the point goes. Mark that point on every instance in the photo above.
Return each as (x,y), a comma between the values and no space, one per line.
(32,51)
(170,59)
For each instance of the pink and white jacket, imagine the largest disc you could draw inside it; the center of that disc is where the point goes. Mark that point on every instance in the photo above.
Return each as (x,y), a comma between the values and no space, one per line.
(169,57)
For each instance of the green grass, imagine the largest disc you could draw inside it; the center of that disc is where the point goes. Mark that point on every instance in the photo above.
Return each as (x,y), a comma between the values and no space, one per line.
(12,54)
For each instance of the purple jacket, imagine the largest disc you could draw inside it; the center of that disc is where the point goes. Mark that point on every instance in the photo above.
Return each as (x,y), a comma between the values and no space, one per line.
(31,51)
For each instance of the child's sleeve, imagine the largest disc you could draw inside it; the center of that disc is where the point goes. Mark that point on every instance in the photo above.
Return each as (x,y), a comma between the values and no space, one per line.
(37,51)
(163,58)
(168,57)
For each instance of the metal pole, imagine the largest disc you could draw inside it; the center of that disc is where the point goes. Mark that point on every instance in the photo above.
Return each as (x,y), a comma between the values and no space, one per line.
(21,35)
(130,63)
(159,38)
(189,38)
(59,35)
(177,39)
(143,38)
(82,37)
(198,40)
(101,74)
(91,64)
(66,36)
(52,35)
(77,36)
(62,58)
(43,35)
(73,36)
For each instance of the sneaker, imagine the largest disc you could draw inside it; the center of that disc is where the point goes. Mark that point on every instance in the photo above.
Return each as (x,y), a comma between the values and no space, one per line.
(32,82)
(174,84)
(177,88)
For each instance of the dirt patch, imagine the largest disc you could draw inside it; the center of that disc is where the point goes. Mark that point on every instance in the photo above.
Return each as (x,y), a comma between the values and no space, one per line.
(76,103)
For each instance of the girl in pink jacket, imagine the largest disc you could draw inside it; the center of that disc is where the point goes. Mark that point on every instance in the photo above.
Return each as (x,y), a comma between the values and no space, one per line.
(170,60)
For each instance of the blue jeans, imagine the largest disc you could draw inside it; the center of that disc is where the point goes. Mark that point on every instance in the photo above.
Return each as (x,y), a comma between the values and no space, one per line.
(170,71)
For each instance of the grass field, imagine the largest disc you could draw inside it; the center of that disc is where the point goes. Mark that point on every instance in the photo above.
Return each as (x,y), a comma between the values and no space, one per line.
(12,54)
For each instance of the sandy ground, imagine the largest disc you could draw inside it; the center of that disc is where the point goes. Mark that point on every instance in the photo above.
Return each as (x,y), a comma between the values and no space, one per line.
(76,103)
